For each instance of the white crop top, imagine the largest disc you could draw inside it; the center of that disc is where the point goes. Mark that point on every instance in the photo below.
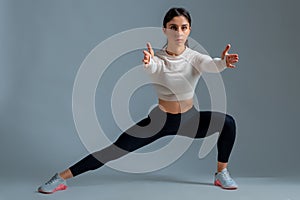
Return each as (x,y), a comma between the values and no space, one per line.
(175,77)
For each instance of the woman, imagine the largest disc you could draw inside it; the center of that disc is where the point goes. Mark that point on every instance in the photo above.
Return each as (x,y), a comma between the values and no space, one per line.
(176,68)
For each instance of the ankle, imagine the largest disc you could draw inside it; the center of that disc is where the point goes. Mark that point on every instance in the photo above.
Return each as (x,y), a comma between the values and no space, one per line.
(221,166)
(66,174)
(61,176)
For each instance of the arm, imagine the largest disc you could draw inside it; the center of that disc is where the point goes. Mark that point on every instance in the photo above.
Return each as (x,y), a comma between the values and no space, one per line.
(207,64)
(151,63)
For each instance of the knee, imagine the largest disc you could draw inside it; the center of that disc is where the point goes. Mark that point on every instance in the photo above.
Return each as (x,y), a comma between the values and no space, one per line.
(229,120)
(229,125)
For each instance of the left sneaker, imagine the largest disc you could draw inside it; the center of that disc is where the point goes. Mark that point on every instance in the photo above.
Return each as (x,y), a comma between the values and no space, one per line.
(56,183)
(224,180)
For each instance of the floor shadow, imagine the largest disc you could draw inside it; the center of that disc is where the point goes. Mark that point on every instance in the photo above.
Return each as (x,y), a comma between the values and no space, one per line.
(170,179)
(121,179)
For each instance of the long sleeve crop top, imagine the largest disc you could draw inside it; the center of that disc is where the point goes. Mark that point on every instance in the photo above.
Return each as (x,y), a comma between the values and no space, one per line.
(175,77)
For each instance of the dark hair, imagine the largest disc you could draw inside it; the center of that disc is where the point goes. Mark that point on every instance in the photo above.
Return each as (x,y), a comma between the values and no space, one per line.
(175,12)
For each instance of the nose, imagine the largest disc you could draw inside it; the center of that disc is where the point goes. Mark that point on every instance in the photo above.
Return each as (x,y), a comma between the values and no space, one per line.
(179,32)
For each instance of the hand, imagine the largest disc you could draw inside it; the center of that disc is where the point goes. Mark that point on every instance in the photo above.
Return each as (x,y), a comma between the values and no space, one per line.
(230,58)
(148,54)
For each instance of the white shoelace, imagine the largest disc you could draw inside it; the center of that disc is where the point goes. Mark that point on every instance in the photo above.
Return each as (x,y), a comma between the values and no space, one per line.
(226,177)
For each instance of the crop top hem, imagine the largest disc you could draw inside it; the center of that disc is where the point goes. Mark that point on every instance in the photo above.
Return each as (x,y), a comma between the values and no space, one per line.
(177,97)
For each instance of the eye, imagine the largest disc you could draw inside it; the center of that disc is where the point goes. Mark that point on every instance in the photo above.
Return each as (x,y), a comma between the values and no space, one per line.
(173,28)
(184,28)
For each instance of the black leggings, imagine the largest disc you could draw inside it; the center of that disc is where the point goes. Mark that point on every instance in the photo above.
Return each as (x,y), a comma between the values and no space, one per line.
(193,124)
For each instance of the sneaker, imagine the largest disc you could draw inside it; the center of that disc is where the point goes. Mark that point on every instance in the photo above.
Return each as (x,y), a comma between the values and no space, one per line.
(56,183)
(224,180)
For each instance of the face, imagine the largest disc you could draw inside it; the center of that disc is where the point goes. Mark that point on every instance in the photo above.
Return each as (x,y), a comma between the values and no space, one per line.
(177,31)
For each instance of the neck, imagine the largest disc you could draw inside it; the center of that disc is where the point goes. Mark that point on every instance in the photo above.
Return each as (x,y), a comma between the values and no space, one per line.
(175,50)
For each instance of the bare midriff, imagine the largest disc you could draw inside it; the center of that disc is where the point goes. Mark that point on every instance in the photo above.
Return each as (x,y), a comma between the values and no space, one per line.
(175,107)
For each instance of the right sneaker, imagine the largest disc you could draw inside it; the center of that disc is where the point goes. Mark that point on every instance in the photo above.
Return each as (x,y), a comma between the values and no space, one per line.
(223,180)
(56,183)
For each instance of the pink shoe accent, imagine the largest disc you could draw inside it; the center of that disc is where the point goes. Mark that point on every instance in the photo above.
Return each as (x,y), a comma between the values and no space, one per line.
(58,188)
(61,187)
(218,183)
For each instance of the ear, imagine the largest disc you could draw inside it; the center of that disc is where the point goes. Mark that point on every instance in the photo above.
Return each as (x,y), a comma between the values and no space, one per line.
(190,30)
(164,30)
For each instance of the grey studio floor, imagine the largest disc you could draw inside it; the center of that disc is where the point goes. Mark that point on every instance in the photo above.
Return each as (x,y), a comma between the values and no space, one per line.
(117,185)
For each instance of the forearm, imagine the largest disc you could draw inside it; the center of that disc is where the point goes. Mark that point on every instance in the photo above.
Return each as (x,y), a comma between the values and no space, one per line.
(212,65)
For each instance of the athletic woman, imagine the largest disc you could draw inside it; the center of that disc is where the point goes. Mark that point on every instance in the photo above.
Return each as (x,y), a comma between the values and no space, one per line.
(175,69)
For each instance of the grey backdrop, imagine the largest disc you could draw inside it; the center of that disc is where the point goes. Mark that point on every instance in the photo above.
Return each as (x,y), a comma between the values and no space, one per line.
(43,42)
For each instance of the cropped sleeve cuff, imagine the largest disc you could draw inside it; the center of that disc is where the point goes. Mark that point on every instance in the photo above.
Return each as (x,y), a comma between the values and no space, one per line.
(220,63)
(151,67)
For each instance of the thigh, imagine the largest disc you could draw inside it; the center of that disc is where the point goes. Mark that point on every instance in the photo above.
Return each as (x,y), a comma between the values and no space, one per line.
(146,131)
(202,124)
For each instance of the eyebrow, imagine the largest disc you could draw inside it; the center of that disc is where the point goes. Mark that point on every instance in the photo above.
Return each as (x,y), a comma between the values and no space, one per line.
(177,25)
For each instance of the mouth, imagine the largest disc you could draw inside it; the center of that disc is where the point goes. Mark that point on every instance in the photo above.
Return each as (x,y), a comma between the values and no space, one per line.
(179,40)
